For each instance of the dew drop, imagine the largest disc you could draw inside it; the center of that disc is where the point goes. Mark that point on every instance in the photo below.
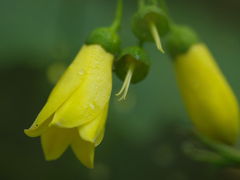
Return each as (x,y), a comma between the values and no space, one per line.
(92,106)
(81,72)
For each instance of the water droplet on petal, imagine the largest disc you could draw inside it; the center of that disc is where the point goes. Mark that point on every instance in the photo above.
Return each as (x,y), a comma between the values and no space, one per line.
(81,72)
(92,106)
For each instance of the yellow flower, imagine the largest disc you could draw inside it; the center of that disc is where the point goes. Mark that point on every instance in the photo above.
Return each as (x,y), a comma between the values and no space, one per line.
(76,110)
(210,101)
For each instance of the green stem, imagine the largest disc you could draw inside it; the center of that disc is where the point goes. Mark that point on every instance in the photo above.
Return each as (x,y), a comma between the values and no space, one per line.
(226,151)
(204,155)
(118,18)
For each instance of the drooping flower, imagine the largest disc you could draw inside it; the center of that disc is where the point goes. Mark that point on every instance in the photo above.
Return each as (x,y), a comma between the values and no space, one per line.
(76,110)
(210,101)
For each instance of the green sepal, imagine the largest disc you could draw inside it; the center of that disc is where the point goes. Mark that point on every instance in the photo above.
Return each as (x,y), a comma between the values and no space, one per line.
(107,38)
(144,17)
(179,40)
(138,57)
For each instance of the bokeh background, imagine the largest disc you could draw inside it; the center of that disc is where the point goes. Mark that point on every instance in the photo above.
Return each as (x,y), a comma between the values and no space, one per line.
(145,134)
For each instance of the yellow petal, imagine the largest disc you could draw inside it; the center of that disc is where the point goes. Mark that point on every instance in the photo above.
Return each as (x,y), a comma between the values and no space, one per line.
(88,101)
(84,151)
(91,131)
(99,137)
(36,130)
(209,99)
(65,87)
(55,141)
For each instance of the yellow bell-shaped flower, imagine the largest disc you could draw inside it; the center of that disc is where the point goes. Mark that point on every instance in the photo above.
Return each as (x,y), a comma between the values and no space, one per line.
(76,110)
(210,101)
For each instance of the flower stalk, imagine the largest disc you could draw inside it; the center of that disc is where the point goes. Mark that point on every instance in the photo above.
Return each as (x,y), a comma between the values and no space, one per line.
(118,17)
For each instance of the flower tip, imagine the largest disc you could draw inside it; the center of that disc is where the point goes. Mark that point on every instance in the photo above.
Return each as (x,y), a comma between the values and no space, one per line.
(122,98)
(90,162)
(29,132)
(90,165)
(25,131)
(50,156)
(156,37)
(124,90)
(160,48)
(84,151)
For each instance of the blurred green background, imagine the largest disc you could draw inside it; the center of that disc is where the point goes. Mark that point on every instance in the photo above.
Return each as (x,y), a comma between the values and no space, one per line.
(145,134)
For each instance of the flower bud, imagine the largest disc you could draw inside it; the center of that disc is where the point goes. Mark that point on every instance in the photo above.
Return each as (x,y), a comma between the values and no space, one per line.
(209,99)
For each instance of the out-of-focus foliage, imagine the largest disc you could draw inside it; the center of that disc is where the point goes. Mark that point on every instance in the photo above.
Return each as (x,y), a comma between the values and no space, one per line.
(144,135)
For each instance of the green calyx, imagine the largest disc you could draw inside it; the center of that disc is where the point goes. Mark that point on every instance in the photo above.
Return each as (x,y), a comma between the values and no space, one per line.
(132,58)
(147,15)
(179,40)
(108,37)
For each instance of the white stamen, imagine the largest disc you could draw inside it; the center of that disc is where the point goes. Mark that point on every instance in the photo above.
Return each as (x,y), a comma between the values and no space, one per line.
(156,36)
(124,89)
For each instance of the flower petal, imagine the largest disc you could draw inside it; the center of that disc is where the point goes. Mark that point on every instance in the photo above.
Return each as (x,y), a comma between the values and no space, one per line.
(100,137)
(36,129)
(91,131)
(90,98)
(84,151)
(68,83)
(55,141)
